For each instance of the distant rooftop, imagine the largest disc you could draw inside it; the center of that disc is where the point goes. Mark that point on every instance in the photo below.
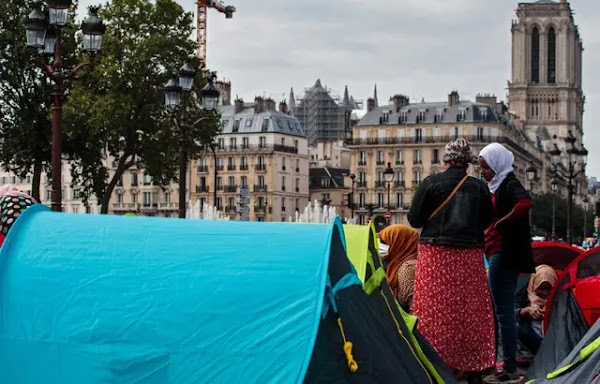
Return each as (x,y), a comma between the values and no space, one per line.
(432,112)
(248,121)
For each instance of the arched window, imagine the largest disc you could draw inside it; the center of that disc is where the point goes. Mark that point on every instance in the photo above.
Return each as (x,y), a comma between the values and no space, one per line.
(551,56)
(535,56)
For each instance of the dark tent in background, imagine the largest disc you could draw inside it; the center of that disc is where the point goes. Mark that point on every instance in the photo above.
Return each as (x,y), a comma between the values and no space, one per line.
(573,307)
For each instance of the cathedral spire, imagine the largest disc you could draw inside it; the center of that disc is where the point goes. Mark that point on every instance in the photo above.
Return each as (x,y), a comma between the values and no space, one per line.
(375,96)
(292,101)
(346,97)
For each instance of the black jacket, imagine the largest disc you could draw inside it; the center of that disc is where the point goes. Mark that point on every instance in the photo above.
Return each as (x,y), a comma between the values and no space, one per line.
(462,221)
(517,254)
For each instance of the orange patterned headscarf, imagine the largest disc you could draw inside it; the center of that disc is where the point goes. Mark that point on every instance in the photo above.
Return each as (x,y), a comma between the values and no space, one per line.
(403,242)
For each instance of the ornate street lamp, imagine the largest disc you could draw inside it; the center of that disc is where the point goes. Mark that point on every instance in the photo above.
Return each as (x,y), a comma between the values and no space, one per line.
(172,94)
(93,30)
(58,11)
(44,38)
(352,181)
(35,29)
(210,94)
(177,91)
(576,161)
(187,73)
(388,175)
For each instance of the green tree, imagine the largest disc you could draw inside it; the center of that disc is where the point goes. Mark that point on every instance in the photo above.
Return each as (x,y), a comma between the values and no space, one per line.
(117,110)
(542,217)
(25,124)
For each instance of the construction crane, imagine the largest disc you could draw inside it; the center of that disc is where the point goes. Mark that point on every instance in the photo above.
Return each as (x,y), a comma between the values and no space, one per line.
(201,30)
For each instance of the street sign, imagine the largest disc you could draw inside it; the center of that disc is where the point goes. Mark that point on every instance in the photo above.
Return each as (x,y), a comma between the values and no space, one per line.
(244,210)
(388,215)
(244,191)
(243,200)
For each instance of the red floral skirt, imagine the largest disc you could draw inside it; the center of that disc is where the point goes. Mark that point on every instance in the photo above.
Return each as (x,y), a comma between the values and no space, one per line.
(453,303)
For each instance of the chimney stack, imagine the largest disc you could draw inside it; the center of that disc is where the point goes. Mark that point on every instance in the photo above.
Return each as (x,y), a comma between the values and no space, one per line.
(238,105)
(259,105)
(487,99)
(371,104)
(269,104)
(399,101)
(224,88)
(283,107)
(453,98)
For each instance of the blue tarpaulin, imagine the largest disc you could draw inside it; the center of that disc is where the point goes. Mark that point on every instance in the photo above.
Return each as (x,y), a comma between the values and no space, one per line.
(110,299)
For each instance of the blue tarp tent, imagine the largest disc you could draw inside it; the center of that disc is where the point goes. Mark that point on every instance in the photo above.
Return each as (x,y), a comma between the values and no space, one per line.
(96,298)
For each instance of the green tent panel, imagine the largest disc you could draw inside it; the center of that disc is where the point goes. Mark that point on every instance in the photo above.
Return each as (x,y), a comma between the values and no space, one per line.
(363,251)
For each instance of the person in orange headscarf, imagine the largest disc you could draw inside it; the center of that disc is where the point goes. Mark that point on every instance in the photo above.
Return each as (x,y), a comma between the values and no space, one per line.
(401,258)
(531,313)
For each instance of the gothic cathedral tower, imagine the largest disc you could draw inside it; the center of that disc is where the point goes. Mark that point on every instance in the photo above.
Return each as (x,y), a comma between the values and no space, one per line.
(545,91)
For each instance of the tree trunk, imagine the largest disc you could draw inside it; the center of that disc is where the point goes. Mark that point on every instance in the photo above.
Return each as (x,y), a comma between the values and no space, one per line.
(121,168)
(36,180)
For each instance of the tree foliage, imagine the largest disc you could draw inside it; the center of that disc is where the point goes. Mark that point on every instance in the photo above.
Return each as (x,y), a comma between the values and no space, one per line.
(25,124)
(542,217)
(117,110)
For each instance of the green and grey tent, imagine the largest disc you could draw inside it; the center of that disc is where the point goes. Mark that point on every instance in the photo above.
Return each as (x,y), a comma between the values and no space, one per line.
(362,248)
(581,366)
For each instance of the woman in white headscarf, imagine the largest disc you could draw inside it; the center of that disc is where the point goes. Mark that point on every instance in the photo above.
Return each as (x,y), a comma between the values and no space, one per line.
(508,248)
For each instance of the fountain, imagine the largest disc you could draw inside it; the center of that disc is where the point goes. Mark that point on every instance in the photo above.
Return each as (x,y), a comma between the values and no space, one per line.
(318,213)
(204,212)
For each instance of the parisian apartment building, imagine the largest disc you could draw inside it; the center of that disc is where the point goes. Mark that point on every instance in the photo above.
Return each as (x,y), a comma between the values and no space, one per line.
(261,155)
(410,138)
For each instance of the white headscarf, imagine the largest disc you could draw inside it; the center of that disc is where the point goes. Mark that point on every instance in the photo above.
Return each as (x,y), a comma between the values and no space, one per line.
(500,161)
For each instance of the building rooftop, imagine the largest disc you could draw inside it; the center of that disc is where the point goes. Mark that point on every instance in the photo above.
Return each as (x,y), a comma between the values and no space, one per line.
(430,113)
(248,121)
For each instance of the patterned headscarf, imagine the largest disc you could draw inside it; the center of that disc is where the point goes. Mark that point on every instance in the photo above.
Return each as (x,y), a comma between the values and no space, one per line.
(458,152)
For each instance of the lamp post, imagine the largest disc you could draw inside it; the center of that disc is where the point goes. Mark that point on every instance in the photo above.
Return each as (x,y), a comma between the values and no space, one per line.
(585,211)
(388,175)
(554,189)
(177,91)
(531,174)
(576,161)
(352,180)
(44,37)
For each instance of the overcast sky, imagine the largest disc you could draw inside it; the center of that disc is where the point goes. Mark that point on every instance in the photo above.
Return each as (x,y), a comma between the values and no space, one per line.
(421,48)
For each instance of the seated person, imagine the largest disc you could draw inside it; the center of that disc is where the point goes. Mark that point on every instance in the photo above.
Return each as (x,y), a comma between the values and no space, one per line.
(531,309)
(401,261)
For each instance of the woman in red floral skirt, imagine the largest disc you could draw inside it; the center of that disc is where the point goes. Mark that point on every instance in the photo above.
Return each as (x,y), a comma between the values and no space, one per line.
(451,298)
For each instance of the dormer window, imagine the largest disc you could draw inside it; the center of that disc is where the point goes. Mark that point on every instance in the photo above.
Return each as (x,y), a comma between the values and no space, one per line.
(249,122)
(484,114)
(421,116)
(403,118)
(385,117)
(462,115)
(265,125)
(439,116)
(236,125)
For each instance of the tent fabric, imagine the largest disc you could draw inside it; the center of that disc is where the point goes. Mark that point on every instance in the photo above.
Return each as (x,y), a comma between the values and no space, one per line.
(556,255)
(362,240)
(582,365)
(573,306)
(382,352)
(98,299)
